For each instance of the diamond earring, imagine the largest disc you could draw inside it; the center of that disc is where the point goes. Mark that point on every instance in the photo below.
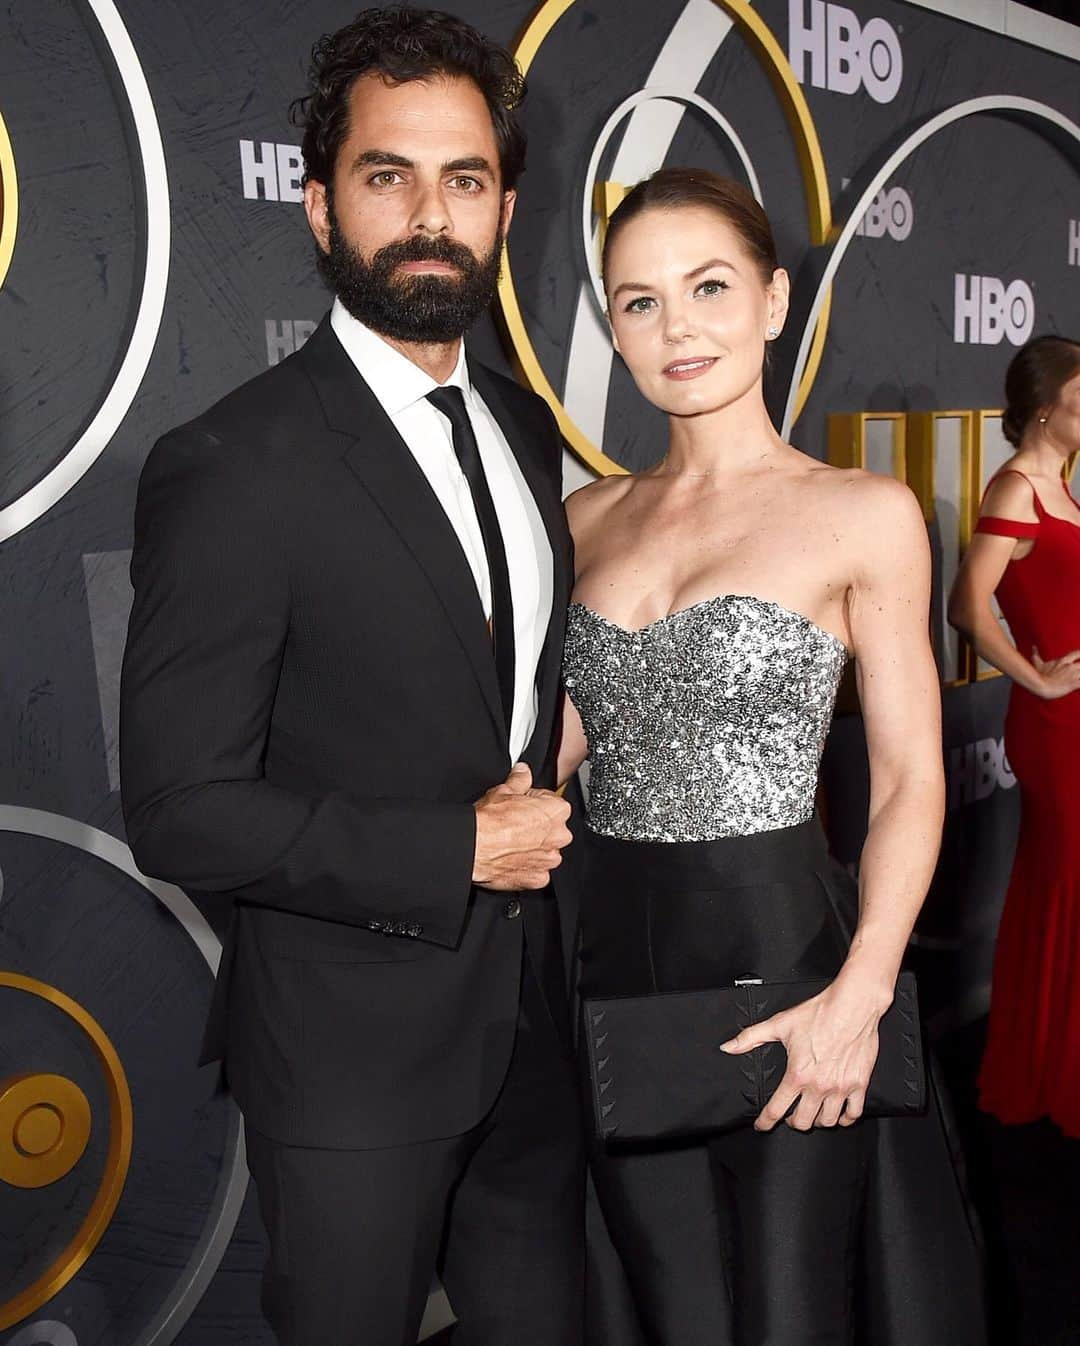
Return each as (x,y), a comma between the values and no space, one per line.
(773,332)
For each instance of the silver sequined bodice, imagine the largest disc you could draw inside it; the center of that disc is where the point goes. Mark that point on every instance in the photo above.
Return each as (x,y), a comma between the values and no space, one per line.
(707,723)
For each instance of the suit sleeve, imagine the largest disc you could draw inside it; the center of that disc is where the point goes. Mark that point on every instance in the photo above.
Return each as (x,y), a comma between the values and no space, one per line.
(205,644)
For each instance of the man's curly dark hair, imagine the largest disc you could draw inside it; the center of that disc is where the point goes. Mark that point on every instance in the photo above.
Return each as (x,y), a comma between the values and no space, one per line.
(405,44)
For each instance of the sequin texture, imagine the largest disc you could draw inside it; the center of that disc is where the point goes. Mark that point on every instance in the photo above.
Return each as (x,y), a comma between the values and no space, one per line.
(707,723)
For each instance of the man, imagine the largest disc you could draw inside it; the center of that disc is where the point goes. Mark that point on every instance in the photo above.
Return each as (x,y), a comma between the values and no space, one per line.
(350,581)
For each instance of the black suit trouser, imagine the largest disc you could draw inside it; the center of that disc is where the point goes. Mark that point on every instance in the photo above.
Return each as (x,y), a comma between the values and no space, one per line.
(355,1235)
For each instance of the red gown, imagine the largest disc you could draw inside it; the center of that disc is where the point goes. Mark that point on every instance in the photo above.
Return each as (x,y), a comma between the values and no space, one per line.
(1032,1064)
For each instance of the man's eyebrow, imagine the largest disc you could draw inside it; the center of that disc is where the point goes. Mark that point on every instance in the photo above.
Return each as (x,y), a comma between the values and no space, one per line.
(472,163)
(475,163)
(386,157)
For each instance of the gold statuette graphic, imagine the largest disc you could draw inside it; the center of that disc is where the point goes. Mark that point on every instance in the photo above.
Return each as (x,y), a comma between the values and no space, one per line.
(45,1126)
(9,201)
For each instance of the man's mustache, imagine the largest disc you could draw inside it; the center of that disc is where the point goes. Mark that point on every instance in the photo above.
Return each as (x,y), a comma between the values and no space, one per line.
(418,249)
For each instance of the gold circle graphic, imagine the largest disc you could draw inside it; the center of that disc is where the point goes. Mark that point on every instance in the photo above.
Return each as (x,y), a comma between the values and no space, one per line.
(815,182)
(9,201)
(39,1130)
(44,1129)
(30,1126)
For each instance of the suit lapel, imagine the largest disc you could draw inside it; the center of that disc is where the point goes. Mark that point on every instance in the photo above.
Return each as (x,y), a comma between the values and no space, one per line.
(386,469)
(545,488)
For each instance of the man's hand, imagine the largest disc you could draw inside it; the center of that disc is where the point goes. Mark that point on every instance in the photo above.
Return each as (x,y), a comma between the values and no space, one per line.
(519,834)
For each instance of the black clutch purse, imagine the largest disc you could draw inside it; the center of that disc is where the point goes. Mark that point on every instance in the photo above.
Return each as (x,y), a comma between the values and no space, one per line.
(657,1070)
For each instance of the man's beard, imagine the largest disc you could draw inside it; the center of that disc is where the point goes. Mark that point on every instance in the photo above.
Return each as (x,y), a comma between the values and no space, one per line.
(414,308)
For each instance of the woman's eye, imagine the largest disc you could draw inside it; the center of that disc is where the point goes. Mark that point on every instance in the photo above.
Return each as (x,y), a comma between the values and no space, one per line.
(712,287)
(638,305)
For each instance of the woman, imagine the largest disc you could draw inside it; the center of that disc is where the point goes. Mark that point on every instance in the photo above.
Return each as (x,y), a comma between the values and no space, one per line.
(1026,549)
(719,596)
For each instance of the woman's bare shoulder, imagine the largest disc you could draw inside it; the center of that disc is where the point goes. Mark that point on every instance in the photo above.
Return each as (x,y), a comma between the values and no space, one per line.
(590,503)
(868,499)
(1010,496)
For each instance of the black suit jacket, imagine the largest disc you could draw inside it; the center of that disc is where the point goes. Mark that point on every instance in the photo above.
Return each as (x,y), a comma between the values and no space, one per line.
(309,708)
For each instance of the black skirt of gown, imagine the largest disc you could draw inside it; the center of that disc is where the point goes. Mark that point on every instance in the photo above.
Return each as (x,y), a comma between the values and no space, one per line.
(857,1236)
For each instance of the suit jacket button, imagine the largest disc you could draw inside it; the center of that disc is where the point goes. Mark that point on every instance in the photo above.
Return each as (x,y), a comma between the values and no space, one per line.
(512,909)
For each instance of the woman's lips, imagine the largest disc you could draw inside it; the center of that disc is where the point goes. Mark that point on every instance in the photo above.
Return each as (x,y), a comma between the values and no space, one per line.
(681,370)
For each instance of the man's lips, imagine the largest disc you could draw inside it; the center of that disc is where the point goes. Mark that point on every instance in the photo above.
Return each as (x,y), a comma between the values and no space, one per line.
(681,370)
(429,268)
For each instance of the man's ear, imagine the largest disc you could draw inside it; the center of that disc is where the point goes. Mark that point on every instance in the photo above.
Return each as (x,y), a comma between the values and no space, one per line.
(318,213)
(508,202)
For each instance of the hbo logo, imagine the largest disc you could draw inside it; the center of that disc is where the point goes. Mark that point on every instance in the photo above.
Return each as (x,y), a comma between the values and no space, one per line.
(891,212)
(976,770)
(278,167)
(986,309)
(844,56)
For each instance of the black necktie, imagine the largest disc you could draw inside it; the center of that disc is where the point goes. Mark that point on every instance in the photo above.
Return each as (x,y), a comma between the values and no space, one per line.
(451,402)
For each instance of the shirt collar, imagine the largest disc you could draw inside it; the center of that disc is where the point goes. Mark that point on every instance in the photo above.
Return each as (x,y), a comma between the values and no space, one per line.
(391,376)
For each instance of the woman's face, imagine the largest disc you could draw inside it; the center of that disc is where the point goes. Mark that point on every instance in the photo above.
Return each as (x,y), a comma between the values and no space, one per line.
(1063,418)
(690,309)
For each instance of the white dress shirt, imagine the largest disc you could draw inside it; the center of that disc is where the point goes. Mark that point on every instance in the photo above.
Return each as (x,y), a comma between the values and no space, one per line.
(402,388)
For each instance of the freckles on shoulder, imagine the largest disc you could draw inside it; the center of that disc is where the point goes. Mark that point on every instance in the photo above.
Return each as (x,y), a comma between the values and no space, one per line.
(880,512)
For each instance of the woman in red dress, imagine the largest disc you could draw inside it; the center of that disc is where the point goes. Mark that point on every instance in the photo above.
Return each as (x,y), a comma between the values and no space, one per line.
(1026,549)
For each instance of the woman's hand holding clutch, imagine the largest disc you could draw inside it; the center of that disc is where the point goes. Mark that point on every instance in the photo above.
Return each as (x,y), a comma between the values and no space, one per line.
(831,1043)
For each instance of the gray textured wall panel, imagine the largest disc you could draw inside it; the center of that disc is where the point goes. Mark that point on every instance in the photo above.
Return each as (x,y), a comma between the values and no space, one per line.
(985,198)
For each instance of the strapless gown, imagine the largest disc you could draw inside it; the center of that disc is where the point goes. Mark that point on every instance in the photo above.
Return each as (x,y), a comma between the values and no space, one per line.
(704,864)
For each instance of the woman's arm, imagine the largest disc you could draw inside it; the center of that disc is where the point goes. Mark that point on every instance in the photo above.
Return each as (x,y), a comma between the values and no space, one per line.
(831,1040)
(573,747)
(970,607)
(971,612)
(901,703)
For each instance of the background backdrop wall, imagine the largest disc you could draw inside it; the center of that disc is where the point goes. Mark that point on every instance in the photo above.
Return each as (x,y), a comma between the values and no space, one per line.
(154,254)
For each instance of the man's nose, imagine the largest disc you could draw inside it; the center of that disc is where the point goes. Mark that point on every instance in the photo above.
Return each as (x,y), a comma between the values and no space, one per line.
(430,214)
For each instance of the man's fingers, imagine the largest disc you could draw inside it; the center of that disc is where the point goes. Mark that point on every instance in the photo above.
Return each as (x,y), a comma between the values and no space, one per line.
(540,860)
(536,871)
(528,873)
(519,780)
(557,838)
